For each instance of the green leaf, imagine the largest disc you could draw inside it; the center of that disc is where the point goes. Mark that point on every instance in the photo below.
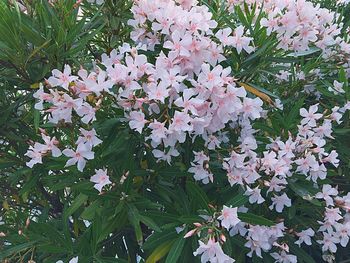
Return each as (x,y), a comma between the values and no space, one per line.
(78,201)
(293,114)
(150,223)
(16,249)
(305,191)
(36,119)
(197,195)
(158,238)
(255,219)
(300,253)
(134,218)
(238,200)
(176,250)
(160,252)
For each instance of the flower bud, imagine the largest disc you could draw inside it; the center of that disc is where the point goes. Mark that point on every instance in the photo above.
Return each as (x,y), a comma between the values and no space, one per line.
(190,233)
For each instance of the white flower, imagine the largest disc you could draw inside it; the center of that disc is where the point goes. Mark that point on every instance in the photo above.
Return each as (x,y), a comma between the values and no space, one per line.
(73,260)
(328,242)
(98,2)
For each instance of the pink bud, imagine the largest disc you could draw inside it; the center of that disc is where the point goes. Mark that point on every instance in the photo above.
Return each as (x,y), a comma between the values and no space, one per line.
(27,222)
(2,234)
(223,238)
(190,233)
(42,131)
(197,224)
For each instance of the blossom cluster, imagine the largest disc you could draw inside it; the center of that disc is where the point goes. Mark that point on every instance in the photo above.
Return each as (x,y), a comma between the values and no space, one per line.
(266,178)
(300,25)
(61,102)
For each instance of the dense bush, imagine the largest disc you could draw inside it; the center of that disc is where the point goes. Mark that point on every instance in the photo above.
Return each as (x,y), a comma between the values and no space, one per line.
(174,131)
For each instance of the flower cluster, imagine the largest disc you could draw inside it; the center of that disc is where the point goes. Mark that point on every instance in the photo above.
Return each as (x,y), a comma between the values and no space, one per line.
(300,25)
(267,177)
(69,94)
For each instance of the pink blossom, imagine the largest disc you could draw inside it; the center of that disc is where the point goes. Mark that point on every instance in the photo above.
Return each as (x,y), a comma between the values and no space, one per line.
(137,120)
(241,42)
(62,79)
(327,192)
(89,138)
(212,252)
(329,243)
(310,116)
(254,195)
(100,178)
(35,155)
(79,156)
(305,237)
(229,217)
(280,202)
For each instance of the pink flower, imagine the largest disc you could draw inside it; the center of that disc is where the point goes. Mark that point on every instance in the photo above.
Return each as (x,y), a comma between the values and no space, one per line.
(254,195)
(305,237)
(212,252)
(160,155)
(280,202)
(332,215)
(224,36)
(241,42)
(252,108)
(42,96)
(89,138)
(87,112)
(79,156)
(343,233)
(137,120)
(337,88)
(179,44)
(310,116)
(100,178)
(210,78)
(158,92)
(62,79)
(50,145)
(181,122)
(201,174)
(229,217)
(283,257)
(327,192)
(328,242)
(159,131)
(35,155)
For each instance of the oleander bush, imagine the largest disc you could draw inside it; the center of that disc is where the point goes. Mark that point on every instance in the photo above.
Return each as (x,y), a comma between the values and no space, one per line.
(174,131)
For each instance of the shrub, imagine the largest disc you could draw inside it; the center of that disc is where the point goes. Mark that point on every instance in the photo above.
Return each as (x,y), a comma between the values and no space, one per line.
(175,131)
